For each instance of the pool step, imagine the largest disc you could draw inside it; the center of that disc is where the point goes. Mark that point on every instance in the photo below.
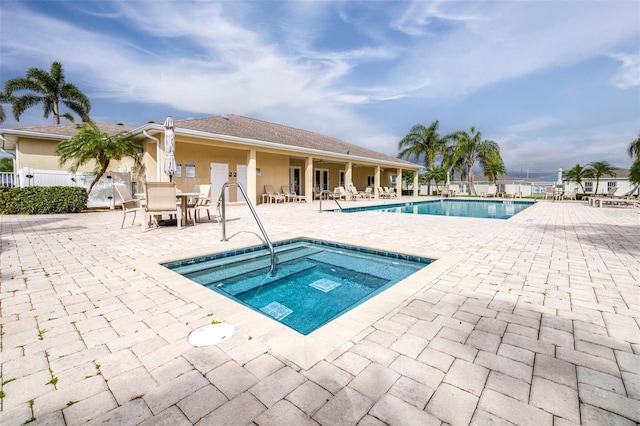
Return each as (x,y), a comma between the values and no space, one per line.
(239,287)
(232,269)
(388,270)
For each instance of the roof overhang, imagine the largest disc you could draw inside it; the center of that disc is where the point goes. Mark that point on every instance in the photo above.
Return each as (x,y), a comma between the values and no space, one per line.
(155,128)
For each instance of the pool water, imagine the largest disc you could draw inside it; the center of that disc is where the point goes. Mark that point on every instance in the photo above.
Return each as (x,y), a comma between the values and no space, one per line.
(316,281)
(463,208)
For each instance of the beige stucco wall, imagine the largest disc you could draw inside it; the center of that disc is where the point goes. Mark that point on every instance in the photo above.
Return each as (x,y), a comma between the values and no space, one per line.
(273,170)
(41,154)
(272,165)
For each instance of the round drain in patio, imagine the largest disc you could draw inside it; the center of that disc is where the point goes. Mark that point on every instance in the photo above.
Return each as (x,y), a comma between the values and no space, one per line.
(211,334)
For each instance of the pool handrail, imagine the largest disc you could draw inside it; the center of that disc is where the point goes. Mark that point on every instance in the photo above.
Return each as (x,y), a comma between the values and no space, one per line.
(221,199)
(328,197)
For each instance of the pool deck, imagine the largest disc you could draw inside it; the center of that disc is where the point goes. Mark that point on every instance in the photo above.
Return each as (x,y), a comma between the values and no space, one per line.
(534,320)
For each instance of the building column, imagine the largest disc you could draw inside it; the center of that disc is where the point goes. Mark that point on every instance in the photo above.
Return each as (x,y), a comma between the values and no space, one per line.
(308,179)
(348,175)
(376,183)
(415,183)
(252,192)
(399,183)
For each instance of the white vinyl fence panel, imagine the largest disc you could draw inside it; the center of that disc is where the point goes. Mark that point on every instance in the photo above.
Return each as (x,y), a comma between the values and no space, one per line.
(102,194)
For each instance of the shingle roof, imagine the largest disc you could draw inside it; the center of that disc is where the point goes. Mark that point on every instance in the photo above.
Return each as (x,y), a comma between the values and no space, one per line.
(249,128)
(71,129)
(241,127)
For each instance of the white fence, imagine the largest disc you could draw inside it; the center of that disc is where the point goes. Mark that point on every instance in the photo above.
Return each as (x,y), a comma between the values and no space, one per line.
(7,179)
(102,194)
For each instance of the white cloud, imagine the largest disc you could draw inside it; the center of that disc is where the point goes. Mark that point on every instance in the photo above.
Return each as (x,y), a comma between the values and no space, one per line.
(628,75)
(207,58)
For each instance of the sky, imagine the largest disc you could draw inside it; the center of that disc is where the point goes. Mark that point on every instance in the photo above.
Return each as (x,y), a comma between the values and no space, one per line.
(555,83)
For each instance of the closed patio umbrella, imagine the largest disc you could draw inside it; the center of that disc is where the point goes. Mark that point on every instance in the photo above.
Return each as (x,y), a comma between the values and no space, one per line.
(169,148)
(559,180)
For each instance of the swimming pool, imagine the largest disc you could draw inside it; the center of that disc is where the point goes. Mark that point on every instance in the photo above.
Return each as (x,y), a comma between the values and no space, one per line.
(316,281)
(486,209)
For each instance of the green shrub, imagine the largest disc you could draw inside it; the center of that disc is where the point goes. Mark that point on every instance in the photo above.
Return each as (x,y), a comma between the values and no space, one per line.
(43,200)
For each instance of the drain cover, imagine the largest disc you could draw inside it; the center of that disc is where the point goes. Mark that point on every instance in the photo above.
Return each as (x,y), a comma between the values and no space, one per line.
(211,334)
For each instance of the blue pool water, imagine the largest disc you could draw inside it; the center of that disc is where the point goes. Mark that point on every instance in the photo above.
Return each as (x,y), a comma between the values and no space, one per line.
(316,281)
(464,208)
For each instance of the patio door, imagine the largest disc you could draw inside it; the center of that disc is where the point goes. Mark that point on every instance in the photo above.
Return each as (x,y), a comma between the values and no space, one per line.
(295,179)
(322,179)
(219,175)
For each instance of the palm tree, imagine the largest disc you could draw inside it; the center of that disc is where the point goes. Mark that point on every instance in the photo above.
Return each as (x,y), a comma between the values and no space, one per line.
(471,147)
(577,174)
(91,144)
(3,100)
(437,174)
(634,151)
(48,89)
(601,168)
(422,141)
(493,168)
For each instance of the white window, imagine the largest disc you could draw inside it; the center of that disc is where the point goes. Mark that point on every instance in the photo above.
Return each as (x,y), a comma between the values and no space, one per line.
(611,185)
(588,187)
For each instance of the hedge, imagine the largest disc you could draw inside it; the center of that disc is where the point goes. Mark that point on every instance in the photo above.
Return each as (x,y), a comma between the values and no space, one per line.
(43,200)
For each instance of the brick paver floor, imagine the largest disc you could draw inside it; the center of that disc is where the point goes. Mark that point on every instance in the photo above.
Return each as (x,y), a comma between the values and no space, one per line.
(536,323)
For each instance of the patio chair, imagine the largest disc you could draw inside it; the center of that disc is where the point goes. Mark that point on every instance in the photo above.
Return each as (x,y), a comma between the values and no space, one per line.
(273,196)
(446,192)
(573,195)
(161,199)
(292,196)
(129,204)
(550,192)
(203,202)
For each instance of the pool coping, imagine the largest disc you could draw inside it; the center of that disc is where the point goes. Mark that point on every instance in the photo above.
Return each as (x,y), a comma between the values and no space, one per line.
(304,351)
(379,207)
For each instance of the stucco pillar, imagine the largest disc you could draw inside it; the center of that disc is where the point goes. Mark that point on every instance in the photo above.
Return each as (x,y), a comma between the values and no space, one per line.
(415,183)
(348,175)
(252,177)
(399,183)
(308,179)
(376,183)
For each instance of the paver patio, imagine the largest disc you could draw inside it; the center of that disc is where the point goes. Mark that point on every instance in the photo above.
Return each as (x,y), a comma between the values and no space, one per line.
(535,321)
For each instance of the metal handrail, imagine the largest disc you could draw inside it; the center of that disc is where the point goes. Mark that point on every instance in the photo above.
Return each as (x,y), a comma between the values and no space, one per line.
(272,271)
(327,192)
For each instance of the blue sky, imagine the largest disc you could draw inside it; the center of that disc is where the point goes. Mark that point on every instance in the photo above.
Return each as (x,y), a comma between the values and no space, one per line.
(555,83)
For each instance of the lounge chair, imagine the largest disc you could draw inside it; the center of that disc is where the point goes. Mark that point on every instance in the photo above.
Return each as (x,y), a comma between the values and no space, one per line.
(355,194)
(272,196)
(161,199)
(129,204)
(612,192)
(390,192)
(339,193)
(382,193)
(292,196)
(492,191)
(367,193)
(446,192)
